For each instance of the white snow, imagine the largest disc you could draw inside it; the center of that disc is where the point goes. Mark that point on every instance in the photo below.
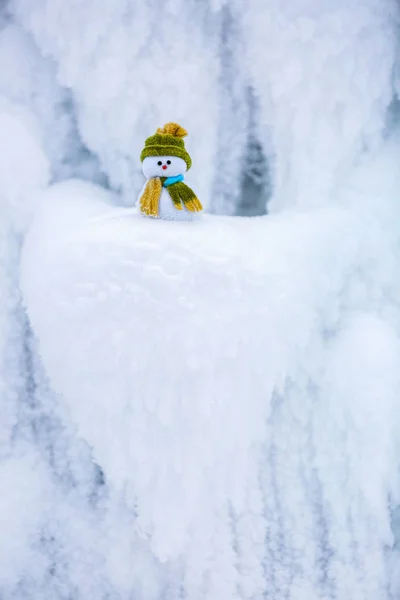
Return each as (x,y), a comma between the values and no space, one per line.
(200,410)
(23,172)
(236,379)
(22,478)
(27,80)
(18,184)
(323,73)
(131,74)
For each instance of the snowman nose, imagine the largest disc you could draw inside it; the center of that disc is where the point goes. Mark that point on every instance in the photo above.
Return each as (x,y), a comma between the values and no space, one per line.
(164,167)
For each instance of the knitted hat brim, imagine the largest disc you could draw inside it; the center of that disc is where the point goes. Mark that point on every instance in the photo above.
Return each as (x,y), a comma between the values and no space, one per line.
(159,150)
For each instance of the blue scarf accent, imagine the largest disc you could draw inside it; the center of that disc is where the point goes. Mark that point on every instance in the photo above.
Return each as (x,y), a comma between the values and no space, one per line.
(172,180)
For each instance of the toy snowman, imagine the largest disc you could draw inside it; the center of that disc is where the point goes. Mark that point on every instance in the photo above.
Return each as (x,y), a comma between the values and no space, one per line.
(165,160)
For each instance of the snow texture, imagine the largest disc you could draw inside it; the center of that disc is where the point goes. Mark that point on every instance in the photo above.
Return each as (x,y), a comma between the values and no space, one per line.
(131,74)
(28,80)
(237,381)
(324,81)
(22,478)
(210,409)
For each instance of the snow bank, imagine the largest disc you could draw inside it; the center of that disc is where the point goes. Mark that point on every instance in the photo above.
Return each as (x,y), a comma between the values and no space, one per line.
(237,381)
(18,185)
(23,502)
(23,172)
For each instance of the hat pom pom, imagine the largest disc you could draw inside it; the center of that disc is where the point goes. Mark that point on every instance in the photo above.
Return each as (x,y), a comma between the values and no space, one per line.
(172,129)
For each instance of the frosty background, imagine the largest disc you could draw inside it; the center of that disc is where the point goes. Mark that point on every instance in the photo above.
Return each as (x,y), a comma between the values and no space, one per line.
(207,413)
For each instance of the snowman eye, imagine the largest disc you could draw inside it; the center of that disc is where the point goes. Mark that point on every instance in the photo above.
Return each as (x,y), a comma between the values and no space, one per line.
(159,163)
(168,162)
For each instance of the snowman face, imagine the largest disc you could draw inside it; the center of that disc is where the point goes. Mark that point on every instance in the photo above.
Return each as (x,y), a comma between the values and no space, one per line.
(163,166)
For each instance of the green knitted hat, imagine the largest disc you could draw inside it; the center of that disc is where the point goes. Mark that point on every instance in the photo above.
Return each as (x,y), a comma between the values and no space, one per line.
(167,141)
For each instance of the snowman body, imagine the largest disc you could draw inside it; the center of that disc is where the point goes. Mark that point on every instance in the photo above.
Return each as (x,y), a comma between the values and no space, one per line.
(167,210)
(166,166)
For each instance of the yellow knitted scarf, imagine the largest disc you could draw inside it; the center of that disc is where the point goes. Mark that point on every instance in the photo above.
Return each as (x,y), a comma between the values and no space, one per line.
(180,193)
